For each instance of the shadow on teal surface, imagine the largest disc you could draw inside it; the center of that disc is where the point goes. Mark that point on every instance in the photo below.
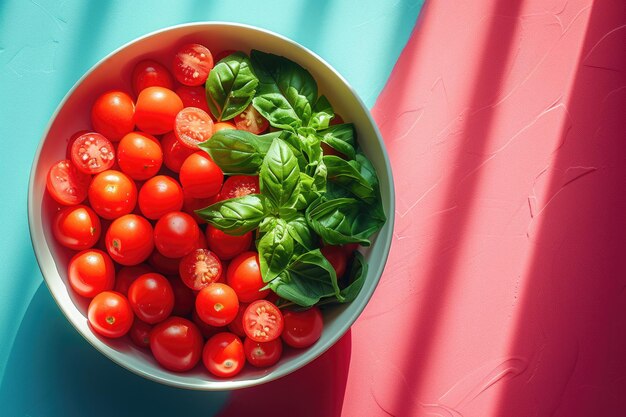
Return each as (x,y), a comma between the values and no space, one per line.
(52,371)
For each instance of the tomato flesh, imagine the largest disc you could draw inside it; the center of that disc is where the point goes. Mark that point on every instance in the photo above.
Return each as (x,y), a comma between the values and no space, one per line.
(239,186)
(262,321)
(192,64)
(252,121)
(66,184)
(193,126)
(200,268)
(92,153)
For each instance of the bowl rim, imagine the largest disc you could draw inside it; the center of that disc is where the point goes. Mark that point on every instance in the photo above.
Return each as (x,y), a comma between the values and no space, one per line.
(376,270)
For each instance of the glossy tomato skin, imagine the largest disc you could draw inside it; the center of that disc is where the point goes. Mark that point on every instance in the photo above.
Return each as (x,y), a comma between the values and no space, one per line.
(226,246)
(156,110)
(151,297)
(223,54)
(66,184)
(126,275)
(217,304)
(223,126)
(159,195)
(236,326)
(252,121)
(193,97)
(193,126)
(175,234)
(206,329)
(92,153)
(262,321)
(337,257)
(140,333)
(112,115)
(302,328)
(176,344)
(149,73)
(200,176)
(112,194)
(184,298)
(223,355)
(174,152)
(200,268)
(263,354)
(244,276)
(110,315)
(129,240)
(239,186)
(90,272)
(192,64)
(139,155)
(76,227)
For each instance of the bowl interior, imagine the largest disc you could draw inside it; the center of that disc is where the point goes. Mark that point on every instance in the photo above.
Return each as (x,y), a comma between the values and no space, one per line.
(114,72)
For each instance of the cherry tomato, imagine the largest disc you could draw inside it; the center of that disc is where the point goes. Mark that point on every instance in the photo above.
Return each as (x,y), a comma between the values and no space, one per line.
(336,255)
(262,321)
(223,126)
(163,264)
(337,120)
(70,142)
(184,298)
(76,227)
(176,344)
(226,246)
(192,64)
(239,186)
(92,153)
(200,176)
(349,248)
(160,195)
(206,329)
(200,268)
(110,314)
(175,234)
(223,54)
(236,326)
(112,194)
(149,73)
(139,155)
(223,355)
(191,204)
(217,304)
(302,328)
(193,97)
(127,275)
(129,239)
(140,333)
(244,276)
(90,272)
(174,153)
(112,115)
(263,354)
(67,185)
(193,126)
(151,297)
(156,111)
(329,150)
(201,242)
(252,121)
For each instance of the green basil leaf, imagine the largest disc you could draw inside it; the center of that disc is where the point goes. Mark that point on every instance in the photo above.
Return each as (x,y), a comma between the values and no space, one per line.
(308,192)
(302,233)
(340,138)
(278,111)
(231,86)
(322,114)
(344,174)
(279,177)
(275,250)
(236,216)
(367,169)
(356,278)
(238,151)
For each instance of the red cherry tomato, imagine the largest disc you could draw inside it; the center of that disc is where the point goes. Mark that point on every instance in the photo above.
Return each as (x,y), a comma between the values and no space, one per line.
(110,314)
(193,126)
(191,204)
(239,186)
(67,185)
(336,255)
(129,239)
(92,153)
(349,248)
(184,298)
(337,120)
(162,264)
(174,153)
(70,142)
(252,121)
(226,246)
(200,268)
(263,354)
(176,344)
(193,97)
(151,297)
(156,110)
(217,304)
(149,73)
(223,54)
(329,150)
(175,234)
(223,126)
(192,64)
(201,242)
(262,321)
(139,155)
(140,333)
(206,329)
(76,227)
(160,195)
(112,115)
(244,276)
(112,194)
(302,328)
(127,275)
(90,272)
(223,355)
(236,326)
(200,176)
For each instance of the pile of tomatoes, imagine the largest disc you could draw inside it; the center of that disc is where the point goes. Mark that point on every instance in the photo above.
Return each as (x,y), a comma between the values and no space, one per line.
(152,269)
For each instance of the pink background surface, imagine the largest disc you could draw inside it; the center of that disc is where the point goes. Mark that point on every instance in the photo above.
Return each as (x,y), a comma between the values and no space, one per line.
(504,294)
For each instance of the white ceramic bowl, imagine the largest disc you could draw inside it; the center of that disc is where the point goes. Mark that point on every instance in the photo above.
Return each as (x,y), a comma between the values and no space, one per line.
(114,71)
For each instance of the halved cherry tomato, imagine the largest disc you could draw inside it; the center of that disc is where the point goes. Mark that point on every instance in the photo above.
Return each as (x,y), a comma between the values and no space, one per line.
(112,194)
(70,142)
(175,234)
(151,297)
(129,239)
(127,275)
(176,344)
(192,64)
(112,115)
(160,195)
(226,246)
(139,155)
(90,272)
(217,304)
(76,227)
(92,153)
(184,298)
(156,110)
(191,204)
(110,315)
(263,354)
(140,333)
(244,276)
(200,268)
(193,97)
(67,185)
(302,328)
(223,126)
(174,153)
(239,185)
(262,321)
(337,258)
(223,355)
(149,73)
(200,176)
(193,126)
(252,121)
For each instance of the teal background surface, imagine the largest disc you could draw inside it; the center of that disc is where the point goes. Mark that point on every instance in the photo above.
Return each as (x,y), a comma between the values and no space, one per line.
(46,368)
